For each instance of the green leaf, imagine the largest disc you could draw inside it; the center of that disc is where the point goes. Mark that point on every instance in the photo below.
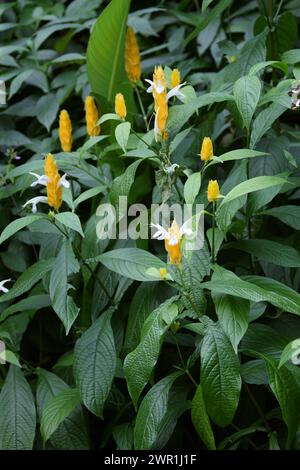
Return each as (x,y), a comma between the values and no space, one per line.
(152,412)
(105,53)
(233,315)
(257,289)
(133,263)
(289,215)
(291,353)
(57,410)
(142,304)
(239,154)
(291,57)
(122,133)
(33,302)
(254,184)
(286,389)
(31,276)
(252,52)
(18,224)
(270,251)
(71,434)
(220,376)
(95,363)
(46,110)
(89,194)
(122,184)
(192,187)
(70,220)
(138,364)
(246,92)
(64,265)
(201,420)
(17,412)
(264,120)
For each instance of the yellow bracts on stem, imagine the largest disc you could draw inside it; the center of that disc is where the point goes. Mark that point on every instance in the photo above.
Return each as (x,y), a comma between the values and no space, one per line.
(175,78)
(54,189)
(132,57)
(65,131)
(207,150)
(120,106)
(172,245)
(213,191)
(91,117)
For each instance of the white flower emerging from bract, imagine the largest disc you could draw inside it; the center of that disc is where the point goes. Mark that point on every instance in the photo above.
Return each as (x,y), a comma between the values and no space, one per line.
(174,234)
(160,89)
(44,179)
(2,288)
(34,201)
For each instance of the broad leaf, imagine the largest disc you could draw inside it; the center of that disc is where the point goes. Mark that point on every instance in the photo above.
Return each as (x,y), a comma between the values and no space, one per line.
(246,92)
(201,420)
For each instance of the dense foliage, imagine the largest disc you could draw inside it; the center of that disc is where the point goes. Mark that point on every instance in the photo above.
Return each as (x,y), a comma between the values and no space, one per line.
(143,343)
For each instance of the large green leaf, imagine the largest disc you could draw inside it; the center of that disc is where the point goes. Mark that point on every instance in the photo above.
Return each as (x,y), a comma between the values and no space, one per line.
(264,121)
(17,412)
(71,432)
(254,184)
(70,220)
(152,412)
(95,363)
(201,420)
(18,224)
(246,92)
(270,251)
(192,187)
(239,154)
(57,410)
(257,289)
(131,262)
(220,376)
(31,276)
(122,184)
(139,363)
(64,265)
(289,215)
(233,315)
(105,53)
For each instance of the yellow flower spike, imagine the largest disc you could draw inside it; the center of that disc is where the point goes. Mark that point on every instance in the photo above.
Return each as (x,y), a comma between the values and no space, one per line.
(162,113)
(213,191)
(160,82)
(162,273)
(175,78)
(65,131)
(172,248)
(120,106)
(91,117)
(54,190)
(207,151)
(132,57)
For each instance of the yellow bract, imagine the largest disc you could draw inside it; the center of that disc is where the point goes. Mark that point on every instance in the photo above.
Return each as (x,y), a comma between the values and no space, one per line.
(132,57)
(162,273)
(120,106)
(174,250)
(175,78)
(65,131)
(54,190)
(213,191)
(162,112)
(207,151)
(91,117)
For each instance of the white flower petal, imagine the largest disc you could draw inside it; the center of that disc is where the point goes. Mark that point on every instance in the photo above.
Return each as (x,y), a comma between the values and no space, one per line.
(2,288)
(156,129)
(40,179)
(161,233)
(175,91)
(63,182)
(174,240)
(34,201)
(150,89)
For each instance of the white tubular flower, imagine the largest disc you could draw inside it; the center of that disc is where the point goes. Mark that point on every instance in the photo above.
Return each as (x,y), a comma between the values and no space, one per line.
(161,233)
(36,200)
(175,92)
(174,234)
(63,182)
(156,129)
(2,288)
(159,88)
(40,179)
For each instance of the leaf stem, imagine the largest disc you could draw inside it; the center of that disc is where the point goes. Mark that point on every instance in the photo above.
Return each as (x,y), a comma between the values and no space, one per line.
(142,107)
(213,232)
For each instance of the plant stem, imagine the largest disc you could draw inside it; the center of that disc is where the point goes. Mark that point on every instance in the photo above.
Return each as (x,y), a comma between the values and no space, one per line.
(184,367)
(142,107)
(259,410)
(213,232)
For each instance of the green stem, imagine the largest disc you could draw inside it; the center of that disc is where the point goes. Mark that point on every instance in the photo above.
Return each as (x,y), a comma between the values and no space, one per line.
(184,367)
(142,107)
(213,232)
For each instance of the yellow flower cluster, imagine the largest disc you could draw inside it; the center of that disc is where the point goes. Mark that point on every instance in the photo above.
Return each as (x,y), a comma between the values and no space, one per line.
(91,117)
(120,106)
(65,131)
(174,250)
(160,101)
(213,191)
(54,190)
(132,57)
(207,151)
